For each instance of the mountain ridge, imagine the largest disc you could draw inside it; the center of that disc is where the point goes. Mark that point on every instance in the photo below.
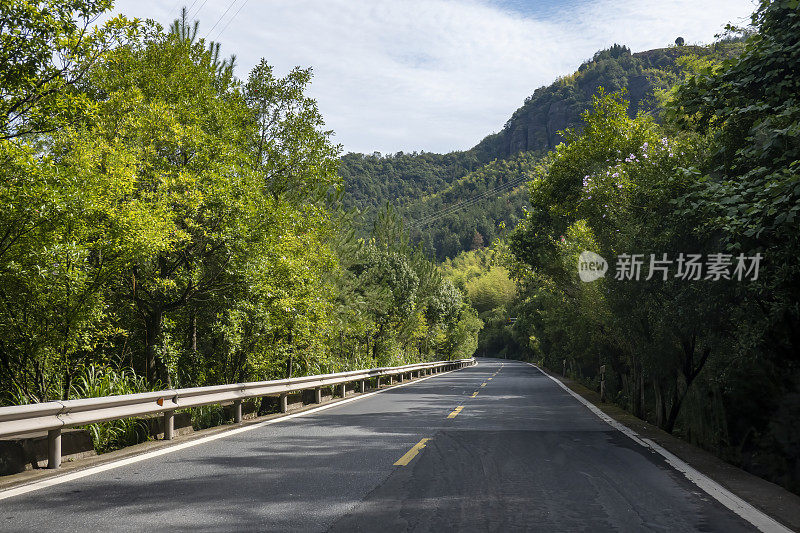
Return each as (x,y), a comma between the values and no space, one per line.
(425,186)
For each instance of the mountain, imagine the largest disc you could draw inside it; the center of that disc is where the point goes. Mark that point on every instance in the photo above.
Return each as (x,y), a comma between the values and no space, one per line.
(457,201)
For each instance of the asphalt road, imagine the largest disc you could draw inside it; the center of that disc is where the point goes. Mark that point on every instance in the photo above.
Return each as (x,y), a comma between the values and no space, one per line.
(522,454)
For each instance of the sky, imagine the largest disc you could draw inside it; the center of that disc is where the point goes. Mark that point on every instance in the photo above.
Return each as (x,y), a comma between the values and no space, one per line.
(435,75)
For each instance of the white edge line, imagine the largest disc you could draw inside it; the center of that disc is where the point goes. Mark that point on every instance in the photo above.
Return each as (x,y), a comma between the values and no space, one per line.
(745,510)
(72,476)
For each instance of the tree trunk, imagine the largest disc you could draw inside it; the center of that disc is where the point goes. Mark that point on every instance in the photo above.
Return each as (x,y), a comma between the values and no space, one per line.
(67,385)
(290,362)
(674,410)
(642,409)
(637,393)
(690,372)
(153,325)
(193,331)
(40,383)
(660,406)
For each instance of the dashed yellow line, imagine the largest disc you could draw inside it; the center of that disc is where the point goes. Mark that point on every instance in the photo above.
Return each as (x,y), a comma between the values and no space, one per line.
(483,384)
(474,394)
(410,454)
(490,379)
(455,412)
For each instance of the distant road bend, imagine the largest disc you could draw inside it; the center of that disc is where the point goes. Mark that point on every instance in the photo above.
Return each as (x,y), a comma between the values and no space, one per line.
(494,447)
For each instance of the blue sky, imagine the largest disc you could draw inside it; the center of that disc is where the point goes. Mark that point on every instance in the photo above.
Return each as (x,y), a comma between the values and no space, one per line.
(435,75)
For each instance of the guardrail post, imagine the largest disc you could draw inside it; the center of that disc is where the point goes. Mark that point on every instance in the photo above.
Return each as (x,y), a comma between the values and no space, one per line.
(362,387)
(343,389)
(237,411)
(54,448)
(169,424)
(284,401)
(318,395)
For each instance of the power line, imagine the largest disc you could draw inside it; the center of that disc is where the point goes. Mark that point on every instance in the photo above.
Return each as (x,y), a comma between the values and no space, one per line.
(471,201)
(198,9)
(220,32)
(468,202)
(188,9)
(457,207)
(220,17)
(451,210)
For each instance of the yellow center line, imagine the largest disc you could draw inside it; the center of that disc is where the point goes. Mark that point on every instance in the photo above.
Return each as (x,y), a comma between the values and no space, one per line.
(410,454)
(474,394)
(490,379)
(455,412)
(483,384)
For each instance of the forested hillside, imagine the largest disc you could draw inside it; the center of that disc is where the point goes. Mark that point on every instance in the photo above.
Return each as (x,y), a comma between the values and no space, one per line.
(451,212)
(472,211)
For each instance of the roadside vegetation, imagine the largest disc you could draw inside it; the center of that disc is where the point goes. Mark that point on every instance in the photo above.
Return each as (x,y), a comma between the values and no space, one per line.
(165,224)
(713,360)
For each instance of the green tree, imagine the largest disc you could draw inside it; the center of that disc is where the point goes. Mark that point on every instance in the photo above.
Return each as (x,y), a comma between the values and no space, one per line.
(46,50)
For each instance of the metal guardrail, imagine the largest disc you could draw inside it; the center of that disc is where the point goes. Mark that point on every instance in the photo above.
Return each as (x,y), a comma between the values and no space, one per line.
(20,420)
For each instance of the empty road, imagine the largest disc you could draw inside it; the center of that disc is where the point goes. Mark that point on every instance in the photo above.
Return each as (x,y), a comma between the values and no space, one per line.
(494,447)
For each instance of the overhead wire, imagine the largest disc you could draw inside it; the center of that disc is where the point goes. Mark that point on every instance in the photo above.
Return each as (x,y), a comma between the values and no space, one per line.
(188,9)
(467,202)
(198,9)
(220,32)
(221,17)
(418,223)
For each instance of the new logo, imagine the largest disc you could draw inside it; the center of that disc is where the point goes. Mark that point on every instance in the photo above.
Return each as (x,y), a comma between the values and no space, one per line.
(591,266)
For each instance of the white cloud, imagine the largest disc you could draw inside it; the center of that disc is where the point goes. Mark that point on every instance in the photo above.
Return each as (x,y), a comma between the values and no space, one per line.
(436,75)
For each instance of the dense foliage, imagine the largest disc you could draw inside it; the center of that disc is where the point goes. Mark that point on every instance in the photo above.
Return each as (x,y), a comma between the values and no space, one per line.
(163,223)
(490,290)
(712,357)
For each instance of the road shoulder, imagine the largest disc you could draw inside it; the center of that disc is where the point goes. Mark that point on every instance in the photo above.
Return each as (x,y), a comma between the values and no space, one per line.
(770,498)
